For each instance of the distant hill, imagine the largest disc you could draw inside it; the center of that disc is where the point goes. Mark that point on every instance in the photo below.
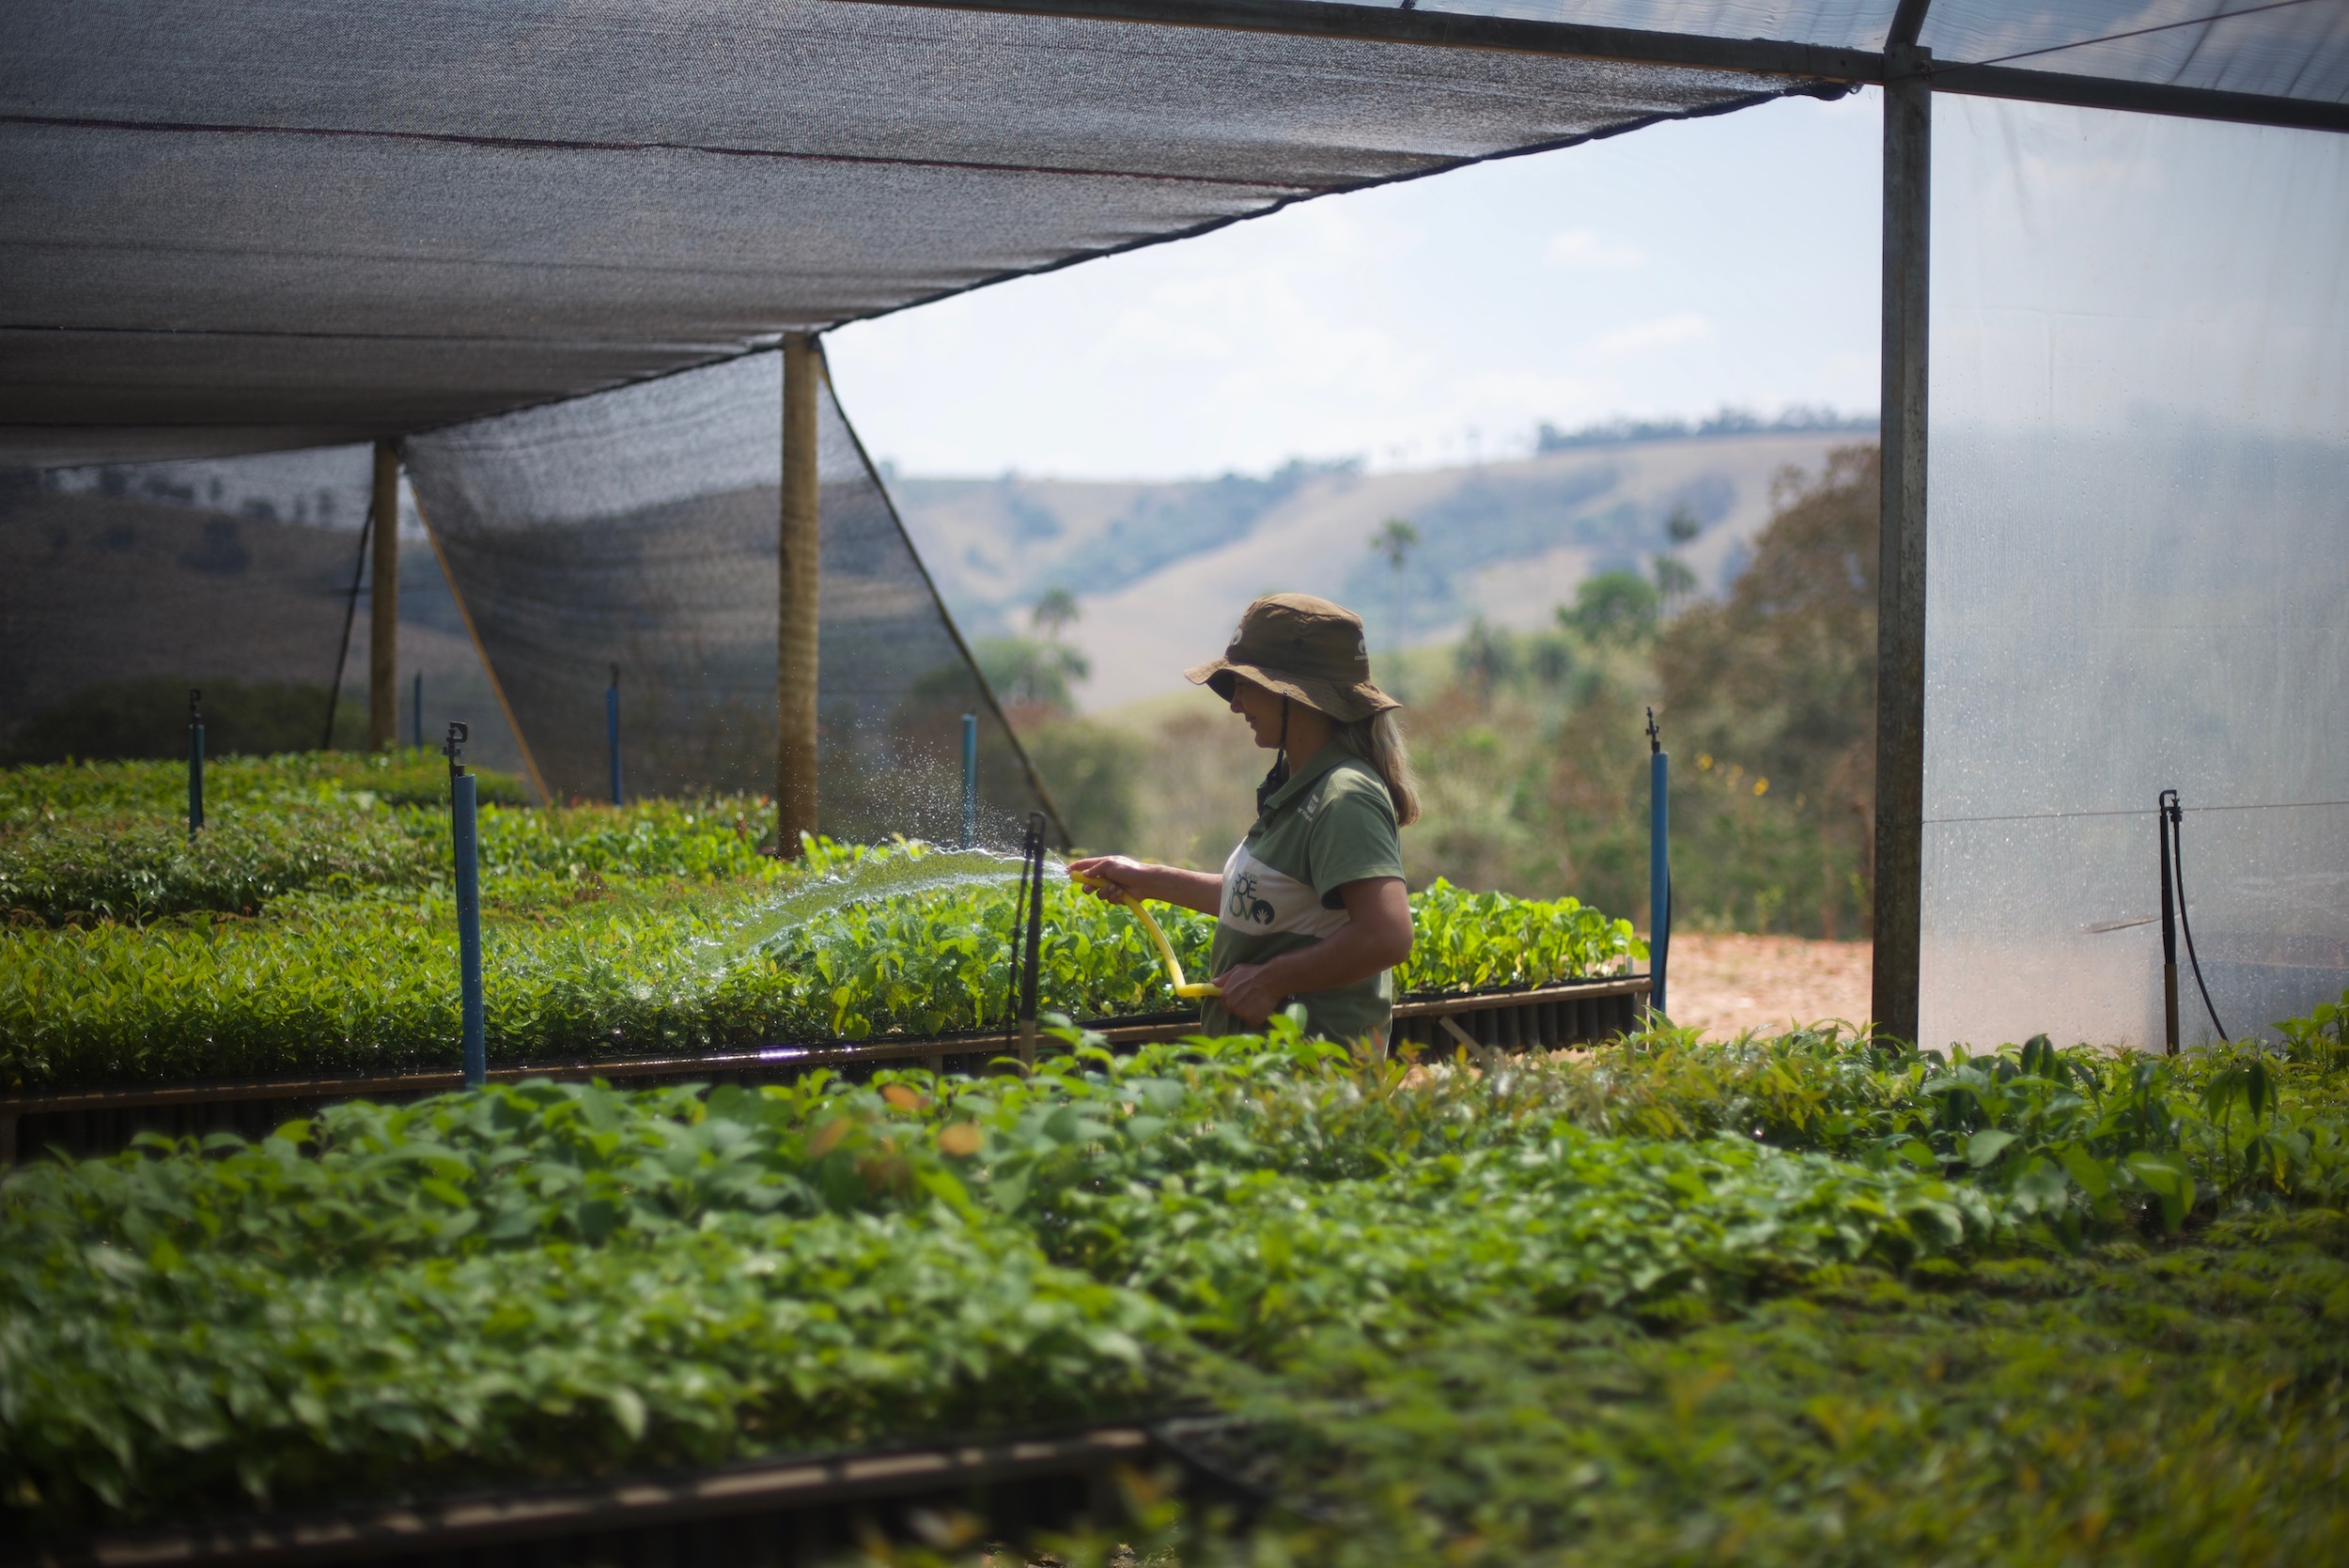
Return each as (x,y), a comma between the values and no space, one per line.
(1162,570)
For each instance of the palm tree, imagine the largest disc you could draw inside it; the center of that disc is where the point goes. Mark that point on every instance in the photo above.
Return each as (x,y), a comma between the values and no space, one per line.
(1673,579)
(1395,540)
(1056,612)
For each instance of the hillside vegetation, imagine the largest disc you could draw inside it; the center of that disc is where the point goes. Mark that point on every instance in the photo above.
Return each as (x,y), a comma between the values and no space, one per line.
(1531,745)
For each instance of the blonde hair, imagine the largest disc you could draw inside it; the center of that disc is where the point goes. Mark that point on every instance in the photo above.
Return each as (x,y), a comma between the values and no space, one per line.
(1378,740)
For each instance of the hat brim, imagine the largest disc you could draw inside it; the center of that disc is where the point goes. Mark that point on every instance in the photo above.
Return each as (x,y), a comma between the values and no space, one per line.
(1347,703)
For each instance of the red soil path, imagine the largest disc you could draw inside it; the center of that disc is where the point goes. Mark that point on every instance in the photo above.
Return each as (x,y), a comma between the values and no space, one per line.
(1725,985)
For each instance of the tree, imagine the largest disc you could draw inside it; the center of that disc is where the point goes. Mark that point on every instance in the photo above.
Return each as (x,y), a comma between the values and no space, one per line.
(1781,675)
(1093,770)
(1031,679)
(1613,607)
(1394,541)
(1056,612)
(1484,658)
(1674,582)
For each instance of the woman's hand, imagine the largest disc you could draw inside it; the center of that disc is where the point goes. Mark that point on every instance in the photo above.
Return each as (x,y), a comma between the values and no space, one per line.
(1122,871)
(1202,891)
(1251,994)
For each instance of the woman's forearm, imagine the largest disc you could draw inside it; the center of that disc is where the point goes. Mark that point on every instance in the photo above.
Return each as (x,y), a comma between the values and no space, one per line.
(1202,891)
(1354,950)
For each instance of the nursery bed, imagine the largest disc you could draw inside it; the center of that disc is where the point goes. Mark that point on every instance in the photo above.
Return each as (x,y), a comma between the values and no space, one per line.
(96,1120)
(762,1514)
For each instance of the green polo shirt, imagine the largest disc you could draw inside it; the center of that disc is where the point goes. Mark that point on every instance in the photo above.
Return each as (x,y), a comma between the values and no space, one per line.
(1331,824)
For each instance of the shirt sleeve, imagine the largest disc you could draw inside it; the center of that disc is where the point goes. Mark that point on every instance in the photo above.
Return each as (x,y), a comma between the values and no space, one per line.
(1352,837)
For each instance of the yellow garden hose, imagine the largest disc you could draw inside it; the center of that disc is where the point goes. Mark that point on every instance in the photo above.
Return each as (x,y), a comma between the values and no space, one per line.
(1166,949)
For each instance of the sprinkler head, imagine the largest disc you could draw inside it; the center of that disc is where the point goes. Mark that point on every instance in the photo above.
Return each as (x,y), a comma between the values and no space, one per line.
(454,747)
(195,705)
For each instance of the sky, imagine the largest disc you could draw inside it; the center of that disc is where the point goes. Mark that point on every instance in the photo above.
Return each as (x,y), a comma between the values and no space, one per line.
(1730,261)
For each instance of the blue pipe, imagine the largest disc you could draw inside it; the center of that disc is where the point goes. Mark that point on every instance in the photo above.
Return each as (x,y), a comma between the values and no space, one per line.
(970,779)
(464,829)
(1659,862)
(612,729)
(195,763)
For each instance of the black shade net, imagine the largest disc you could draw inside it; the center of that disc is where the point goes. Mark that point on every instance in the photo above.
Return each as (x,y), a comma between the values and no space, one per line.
(640,529)
(236,226)
(122,587)
(249,224)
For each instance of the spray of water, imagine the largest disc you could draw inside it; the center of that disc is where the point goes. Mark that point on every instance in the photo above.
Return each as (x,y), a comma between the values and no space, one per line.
(907,872)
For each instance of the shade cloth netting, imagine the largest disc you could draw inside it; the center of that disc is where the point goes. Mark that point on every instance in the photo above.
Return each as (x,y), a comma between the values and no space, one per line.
(2139,551)
(252,224)
(640,528)
(122,587)
(2247,46)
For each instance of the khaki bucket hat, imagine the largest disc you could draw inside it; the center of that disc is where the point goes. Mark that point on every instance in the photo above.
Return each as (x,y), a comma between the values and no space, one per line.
(1305,648)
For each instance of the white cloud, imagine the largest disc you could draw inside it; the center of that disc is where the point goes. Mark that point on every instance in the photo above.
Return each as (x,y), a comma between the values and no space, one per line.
(1646,337)
(1428,321)
(1579,247)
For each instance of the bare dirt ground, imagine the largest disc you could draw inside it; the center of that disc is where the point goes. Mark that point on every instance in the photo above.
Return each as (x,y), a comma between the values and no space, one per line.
(1726,985)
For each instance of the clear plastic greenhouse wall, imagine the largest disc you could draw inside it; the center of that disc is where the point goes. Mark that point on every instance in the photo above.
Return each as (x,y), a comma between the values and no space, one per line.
(2139,556)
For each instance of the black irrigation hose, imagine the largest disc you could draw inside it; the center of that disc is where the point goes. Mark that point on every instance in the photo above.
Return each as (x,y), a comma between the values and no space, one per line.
(1027,930)
(1019,946)
(1036,916)
(2177,869)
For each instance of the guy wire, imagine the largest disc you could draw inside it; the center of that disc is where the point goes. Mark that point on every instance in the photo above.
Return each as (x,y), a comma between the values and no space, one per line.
(350,612)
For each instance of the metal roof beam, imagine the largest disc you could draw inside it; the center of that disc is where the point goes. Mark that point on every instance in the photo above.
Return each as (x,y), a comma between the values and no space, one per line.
(1451,30)
(1756,56)
(2143,98)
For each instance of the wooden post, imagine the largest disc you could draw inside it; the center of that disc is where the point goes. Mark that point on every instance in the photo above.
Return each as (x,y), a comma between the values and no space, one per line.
(797,600)
(1901,564)
(384,605)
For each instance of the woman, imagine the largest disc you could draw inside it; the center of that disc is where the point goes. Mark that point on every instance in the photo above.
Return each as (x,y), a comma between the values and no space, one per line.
(1311,907)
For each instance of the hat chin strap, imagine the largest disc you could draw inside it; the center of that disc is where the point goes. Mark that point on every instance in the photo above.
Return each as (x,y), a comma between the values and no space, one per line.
(1280,772)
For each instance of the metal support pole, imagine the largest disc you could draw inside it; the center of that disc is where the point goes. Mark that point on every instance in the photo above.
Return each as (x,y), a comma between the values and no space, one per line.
(415,713)
(1898,925)
(969,780)
(465,831)
(196,761)
(612,730)
(384,605)
(1659,862)
(797,600)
